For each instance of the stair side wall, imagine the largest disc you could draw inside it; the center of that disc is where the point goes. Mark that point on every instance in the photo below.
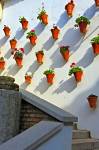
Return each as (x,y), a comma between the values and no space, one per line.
(31,115)
(10,102)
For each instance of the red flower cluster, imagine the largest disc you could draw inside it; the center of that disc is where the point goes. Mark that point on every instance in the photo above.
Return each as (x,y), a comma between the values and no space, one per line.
(32,30)
(22,49)
(73,65)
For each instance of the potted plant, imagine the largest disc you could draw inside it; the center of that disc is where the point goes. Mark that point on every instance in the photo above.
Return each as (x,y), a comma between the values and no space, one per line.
(18,56)
(95,44)
(28,77)
(6,30)
(64,50)
(92,100)
(50,75)
(77,71)
(13,43)
(55,32)
(14,50)
(32,37)
(23,22)
(40,56)
(97,3)
(2,63)
(69,8)
(83,23)
(42,16)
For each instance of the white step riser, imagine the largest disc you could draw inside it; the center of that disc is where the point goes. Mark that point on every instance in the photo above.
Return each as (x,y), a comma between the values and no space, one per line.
(81,134)
(86,145)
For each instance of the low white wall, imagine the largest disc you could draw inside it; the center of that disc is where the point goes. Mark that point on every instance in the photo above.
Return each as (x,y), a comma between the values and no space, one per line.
(64,93)
(45,135)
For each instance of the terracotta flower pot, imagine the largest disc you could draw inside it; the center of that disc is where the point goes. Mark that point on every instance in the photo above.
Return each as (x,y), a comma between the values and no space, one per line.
(69,8)
(19,62)
(13,43)
(92,100)
(6,31)
(95,48)
(55,33)
(33,40)
(50,78)
(66,55)
(24,24)
(2,65)
(28,79)
(39,57)
(97,3)
(83,27)
(78,75)
(44,19)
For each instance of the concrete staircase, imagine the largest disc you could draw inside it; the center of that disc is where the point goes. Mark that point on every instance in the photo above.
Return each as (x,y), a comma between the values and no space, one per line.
(82,140)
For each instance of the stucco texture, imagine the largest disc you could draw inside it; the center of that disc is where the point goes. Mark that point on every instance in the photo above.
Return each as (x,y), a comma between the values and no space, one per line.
(64,93)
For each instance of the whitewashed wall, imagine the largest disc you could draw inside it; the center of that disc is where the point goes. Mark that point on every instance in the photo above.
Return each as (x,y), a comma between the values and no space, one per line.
(64,92)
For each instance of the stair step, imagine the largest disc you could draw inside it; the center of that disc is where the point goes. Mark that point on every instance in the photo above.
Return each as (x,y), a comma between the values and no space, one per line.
(81,134)
(75,126)
(85,144)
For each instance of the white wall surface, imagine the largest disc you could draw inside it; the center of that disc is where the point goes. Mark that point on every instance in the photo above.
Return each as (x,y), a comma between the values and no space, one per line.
(45,135)
(64,92)
(61,141)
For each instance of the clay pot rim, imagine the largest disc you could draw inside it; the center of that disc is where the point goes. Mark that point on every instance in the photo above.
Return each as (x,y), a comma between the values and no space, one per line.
(92,95)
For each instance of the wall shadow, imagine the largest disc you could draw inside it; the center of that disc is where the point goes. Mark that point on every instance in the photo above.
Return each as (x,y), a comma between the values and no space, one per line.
(3,41)
(72,38)
(13,70)
(39,28)
(33,67)
(87,59)
(19,33)
(80,107)
(42,86)
(24,85)
(10,3)
(28,47)
(57,59)
(90,12)
(49,43)
(68,86)
(8,54)
(63,20)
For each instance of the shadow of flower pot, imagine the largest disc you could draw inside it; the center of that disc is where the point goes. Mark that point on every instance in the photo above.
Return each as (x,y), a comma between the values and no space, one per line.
(19,33)
(87,58)
(43,86)
(33,68)
(48,44)
(28,47)
(24,85)
(90,12)
(57,56)
(63,20)
(68,86)
(39,28)
(72,38)
(13,70)
(8,54)
(3,41)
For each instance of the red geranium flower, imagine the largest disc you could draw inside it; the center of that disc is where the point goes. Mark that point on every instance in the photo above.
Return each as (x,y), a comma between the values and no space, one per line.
(73,64)
(32,30)
(22,49)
